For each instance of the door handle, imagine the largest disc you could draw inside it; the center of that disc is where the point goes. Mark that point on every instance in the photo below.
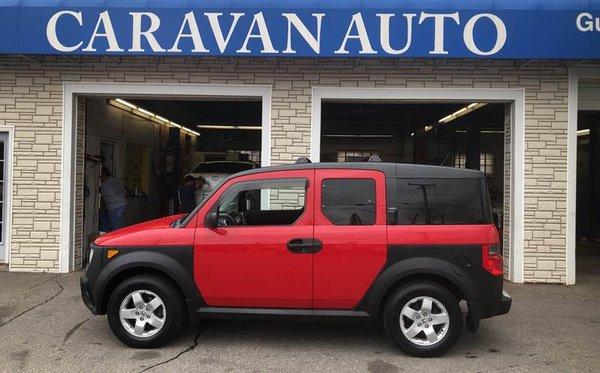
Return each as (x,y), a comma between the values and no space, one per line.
(304,246)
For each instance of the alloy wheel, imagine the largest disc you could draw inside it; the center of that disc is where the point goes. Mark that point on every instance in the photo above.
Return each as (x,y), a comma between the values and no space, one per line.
(142,313)
(424,321)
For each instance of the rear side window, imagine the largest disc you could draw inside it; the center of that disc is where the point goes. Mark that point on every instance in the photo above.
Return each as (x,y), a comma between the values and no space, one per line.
(348,201)
(441,201)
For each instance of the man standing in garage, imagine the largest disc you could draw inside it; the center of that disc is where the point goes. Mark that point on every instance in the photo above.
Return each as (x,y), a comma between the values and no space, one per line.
(187,193)
(114,199)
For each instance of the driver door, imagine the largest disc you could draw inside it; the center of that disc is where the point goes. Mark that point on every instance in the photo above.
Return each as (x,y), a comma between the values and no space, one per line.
(250,260)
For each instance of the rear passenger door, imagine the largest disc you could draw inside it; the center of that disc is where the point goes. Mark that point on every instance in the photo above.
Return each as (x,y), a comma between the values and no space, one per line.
(350,222)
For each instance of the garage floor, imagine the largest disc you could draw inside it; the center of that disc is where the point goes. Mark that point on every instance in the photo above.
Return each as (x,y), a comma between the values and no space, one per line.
(45,326)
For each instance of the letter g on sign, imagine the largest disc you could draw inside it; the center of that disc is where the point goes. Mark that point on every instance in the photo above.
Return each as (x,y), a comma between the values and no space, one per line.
(585,22)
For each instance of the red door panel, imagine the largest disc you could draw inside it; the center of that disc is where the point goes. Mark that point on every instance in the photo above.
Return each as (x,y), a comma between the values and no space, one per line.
(251,266)
(351,255)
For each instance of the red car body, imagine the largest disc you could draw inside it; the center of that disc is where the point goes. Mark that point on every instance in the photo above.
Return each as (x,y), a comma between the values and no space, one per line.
(349,271)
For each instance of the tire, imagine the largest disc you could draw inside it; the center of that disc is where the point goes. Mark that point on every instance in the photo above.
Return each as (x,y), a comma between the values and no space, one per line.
(430,336)
(156,322)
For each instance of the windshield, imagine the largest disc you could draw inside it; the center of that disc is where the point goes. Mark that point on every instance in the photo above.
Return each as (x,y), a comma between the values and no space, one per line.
(222,167)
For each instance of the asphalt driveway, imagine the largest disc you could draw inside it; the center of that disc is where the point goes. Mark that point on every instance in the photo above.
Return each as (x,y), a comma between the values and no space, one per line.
(44,326)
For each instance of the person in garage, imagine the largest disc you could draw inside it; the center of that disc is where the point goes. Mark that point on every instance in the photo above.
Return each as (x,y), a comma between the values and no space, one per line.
(187,192)
(114,199)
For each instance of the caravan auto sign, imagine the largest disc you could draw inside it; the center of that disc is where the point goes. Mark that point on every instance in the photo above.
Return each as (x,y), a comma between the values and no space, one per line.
(302,32)
(271,35)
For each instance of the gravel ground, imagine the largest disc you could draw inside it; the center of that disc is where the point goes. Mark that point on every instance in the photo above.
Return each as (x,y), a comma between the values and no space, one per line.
(44,326)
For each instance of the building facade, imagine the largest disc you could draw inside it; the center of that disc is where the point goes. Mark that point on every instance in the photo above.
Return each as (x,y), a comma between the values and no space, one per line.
(42,106)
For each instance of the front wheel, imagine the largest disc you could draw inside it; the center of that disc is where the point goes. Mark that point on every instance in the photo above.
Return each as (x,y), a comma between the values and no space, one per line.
(423,319)
(145,311)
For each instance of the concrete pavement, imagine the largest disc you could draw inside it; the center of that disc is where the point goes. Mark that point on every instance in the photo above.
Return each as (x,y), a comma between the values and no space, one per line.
(44,326)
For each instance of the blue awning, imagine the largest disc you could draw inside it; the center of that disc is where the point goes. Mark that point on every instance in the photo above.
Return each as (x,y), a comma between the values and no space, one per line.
(525,29)
(317,4)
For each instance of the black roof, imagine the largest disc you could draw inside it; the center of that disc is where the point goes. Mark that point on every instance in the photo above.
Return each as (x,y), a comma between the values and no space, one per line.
(393,170)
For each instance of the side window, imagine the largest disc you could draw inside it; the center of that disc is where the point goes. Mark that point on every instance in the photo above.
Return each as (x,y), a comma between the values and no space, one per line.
(348,201)
(441,201)
(264,202)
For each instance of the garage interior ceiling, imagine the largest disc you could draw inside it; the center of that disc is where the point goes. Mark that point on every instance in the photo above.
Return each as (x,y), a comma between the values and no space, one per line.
(207,114)
(380,119)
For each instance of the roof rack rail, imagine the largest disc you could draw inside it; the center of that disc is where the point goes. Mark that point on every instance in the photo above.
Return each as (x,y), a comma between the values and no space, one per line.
(374,158)
(302,160)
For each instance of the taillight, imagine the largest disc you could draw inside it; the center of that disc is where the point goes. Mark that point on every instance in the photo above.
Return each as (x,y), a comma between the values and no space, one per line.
(492,259)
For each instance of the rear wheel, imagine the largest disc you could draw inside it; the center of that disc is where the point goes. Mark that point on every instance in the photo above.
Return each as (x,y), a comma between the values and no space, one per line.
(145,311)
(423,319)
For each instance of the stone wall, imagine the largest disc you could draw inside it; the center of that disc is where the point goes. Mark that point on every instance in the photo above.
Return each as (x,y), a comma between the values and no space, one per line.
(31,101)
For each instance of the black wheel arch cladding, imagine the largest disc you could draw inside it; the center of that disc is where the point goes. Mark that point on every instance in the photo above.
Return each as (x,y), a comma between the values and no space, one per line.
(428,262)
(174,263)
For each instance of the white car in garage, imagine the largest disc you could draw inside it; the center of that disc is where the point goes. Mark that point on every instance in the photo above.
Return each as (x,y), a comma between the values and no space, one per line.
(215,171)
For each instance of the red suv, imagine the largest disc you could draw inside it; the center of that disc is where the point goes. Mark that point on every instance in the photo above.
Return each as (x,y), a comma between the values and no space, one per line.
(394,242)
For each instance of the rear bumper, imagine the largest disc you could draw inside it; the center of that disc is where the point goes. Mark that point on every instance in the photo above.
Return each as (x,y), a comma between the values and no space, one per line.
(487,309)
(504,305)
(495,307)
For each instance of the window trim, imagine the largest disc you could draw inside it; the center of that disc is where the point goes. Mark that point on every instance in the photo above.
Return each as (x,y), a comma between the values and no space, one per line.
(374,204)
(216,205)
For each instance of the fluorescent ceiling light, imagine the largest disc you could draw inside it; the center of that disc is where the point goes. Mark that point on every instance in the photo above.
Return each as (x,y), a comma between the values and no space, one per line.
(446,119)
(119,103)
(145,112)
(483,131)
(190,131)
(585,132)
(462,111)
(226,127)
(255,128)
(162,119)
(126,103)
(215,127)
(361,136)
(492,131)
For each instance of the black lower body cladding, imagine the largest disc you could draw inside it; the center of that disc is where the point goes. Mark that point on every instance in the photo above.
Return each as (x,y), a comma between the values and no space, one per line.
(102,275)
(458,267)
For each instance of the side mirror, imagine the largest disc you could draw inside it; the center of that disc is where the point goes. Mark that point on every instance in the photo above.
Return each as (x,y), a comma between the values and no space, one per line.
(211,220)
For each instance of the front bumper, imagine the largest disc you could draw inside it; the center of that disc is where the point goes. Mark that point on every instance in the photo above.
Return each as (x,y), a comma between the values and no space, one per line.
(86,295)
(89,280)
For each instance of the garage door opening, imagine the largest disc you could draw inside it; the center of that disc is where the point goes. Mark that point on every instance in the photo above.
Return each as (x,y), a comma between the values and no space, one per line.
(588,179)
(459,134)
(158,151)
